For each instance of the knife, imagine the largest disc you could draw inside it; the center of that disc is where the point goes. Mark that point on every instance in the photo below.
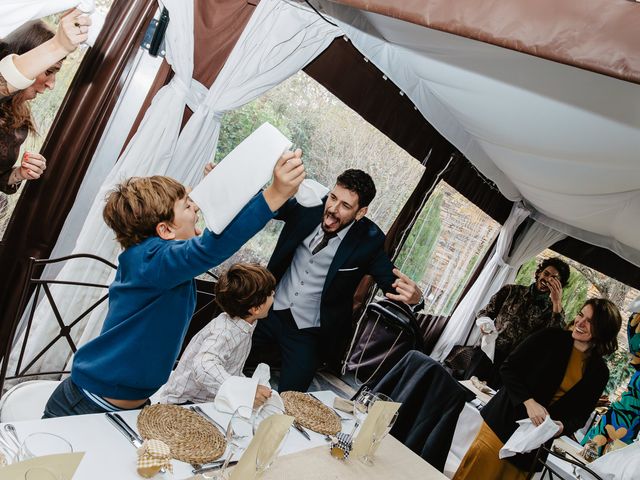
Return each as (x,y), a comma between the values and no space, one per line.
(299,427)
(212,466)
(126,425)
(135,441)
(203,414)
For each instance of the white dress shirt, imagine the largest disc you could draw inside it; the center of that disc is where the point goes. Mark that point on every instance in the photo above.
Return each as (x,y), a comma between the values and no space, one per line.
(214,354)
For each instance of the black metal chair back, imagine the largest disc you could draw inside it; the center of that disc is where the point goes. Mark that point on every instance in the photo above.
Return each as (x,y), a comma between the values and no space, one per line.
(41,288)
(552,472)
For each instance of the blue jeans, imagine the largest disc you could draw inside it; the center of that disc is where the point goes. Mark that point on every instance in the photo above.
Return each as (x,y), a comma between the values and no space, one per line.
(67,399)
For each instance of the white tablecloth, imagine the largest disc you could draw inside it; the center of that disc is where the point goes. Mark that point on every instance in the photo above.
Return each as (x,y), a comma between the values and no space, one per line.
(110,456)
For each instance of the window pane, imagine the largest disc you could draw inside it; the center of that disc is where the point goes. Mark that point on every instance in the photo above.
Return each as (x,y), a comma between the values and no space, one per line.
(333,138)
(449,238)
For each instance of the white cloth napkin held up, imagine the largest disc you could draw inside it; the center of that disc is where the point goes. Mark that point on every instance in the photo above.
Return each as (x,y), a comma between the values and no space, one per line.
(489,336)
(241,174)
(241,391)
(529,437)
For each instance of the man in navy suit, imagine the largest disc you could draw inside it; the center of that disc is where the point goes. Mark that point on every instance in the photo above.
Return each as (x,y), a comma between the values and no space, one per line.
(321,255)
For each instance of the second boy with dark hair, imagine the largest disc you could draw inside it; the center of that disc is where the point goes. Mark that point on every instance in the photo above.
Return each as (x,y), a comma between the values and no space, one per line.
(218,351)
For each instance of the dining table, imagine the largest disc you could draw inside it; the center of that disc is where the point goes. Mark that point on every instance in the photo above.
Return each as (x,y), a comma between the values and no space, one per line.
(109,454)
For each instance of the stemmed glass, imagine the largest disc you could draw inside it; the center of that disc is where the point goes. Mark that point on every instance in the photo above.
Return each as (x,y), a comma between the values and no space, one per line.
(383,426)
(266,453)
(40,444)
(361,406)
(239,433)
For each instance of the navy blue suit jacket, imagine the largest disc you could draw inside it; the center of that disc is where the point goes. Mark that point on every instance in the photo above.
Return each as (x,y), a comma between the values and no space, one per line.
(361,252)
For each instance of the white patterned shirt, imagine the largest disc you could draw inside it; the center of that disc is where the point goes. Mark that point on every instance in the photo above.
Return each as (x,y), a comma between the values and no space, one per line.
(214,354)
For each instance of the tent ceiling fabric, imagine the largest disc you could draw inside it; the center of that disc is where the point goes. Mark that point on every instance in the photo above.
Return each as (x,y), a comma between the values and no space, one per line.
(563,139)
(598,35)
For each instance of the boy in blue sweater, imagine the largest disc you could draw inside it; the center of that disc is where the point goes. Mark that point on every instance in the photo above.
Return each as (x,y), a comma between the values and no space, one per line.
(153,295)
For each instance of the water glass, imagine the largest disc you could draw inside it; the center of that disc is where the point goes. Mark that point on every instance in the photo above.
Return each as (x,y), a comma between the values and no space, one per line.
(239,434)
(383,426)
(40,444)
(266,454)
(363,403)
(264,412)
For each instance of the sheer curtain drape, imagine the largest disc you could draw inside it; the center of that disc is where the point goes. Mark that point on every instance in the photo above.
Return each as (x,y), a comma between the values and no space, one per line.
(534,238)
(457,329)
(14,13)
(279,40)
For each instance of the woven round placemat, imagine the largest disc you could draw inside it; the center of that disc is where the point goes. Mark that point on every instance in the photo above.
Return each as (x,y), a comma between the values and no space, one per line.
(311,413)
(192,439)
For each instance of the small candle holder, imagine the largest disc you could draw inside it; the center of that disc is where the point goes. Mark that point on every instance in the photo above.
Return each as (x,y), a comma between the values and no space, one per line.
(341,445)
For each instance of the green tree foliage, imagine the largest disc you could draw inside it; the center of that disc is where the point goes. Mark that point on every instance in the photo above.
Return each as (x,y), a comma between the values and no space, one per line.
(422,240)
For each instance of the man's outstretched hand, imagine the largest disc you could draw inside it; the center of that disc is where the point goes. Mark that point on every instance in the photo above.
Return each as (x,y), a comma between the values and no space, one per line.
(407,290)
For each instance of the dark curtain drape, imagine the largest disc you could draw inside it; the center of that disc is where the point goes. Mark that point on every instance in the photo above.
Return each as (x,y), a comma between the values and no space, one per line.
(43,205)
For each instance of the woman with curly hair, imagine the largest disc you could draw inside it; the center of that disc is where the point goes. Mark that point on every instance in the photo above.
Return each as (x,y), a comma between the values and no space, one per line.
(557,373)
(30,58)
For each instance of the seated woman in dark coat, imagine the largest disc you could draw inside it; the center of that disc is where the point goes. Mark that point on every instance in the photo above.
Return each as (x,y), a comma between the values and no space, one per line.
(554,372)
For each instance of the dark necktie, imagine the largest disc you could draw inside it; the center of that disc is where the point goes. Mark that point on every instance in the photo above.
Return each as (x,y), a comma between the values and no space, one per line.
(323,243)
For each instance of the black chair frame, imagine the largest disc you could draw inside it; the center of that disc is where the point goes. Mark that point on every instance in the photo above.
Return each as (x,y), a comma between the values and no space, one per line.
(38,286)
(550,471)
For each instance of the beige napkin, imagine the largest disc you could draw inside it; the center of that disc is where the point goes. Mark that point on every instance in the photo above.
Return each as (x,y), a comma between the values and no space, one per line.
(64,464)
(241,174)
(377,421)
(269,435)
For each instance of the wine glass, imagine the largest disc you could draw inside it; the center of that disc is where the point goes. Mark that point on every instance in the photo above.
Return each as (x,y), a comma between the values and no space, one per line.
(264,412)
(383,426)
(239,433)
(41,443)
(266,453)
(362,404)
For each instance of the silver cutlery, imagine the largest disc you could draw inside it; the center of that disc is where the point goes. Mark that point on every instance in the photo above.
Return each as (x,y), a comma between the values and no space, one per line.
(203,414)
(212,466)
(12,434)
(301,429)
(7,447)
(124,429)
(342,419)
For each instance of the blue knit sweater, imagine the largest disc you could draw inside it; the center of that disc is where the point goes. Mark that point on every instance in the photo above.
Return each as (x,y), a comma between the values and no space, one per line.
(151,301)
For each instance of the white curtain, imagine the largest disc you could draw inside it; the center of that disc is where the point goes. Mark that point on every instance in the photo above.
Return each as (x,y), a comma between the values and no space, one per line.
(279,40)
(461,321)
(14,13)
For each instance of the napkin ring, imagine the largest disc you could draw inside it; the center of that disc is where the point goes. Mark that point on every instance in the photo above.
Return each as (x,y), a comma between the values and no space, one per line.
(153,456)
(341,445)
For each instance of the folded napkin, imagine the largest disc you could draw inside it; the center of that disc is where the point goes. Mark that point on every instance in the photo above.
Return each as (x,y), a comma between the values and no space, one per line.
(528,437)
(265,442)
(241,174)
(241,391)
(482,385)
(63,464)
(374,426)
(489,336)
(620,464)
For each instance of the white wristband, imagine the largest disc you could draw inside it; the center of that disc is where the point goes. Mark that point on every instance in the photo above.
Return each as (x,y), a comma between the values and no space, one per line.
(12,75)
